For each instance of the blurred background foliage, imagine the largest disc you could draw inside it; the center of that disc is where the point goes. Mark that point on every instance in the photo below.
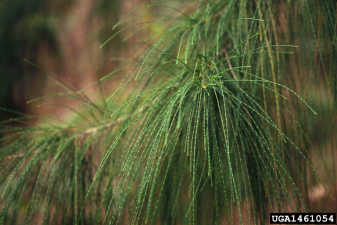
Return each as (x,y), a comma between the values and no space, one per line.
(25,28)
(61,37)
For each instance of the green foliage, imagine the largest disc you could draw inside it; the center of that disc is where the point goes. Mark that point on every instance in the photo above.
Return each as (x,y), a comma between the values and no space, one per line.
(214,128)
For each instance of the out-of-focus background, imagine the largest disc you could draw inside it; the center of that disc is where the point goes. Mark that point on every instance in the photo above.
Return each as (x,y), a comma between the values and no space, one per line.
(63,38)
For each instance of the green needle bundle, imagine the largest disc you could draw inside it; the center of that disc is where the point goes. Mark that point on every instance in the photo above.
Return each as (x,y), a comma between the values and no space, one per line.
(214,130)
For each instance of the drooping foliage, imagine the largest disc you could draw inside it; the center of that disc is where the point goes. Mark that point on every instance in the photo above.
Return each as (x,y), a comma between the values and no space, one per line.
(216,127)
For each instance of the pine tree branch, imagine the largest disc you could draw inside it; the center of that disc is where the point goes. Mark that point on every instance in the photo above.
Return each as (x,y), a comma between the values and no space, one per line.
(89,131)
(229,64)
(216,15)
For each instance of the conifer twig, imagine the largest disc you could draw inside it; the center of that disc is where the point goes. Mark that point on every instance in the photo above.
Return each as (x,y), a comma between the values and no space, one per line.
(216,15)
(88,131)
(229,64)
